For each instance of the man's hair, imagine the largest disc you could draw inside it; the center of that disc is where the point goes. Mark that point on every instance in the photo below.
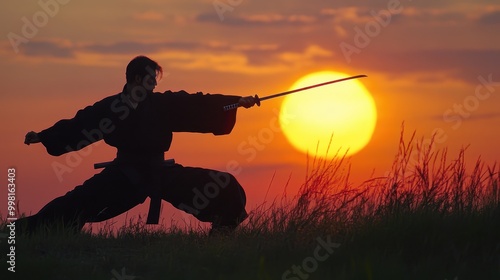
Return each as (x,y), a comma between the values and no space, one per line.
(142,66)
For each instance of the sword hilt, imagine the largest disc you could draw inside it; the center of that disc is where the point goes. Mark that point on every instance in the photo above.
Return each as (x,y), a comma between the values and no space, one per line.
(236,105)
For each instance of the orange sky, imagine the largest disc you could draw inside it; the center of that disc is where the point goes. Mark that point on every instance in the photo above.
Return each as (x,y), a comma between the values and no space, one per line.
(432,65)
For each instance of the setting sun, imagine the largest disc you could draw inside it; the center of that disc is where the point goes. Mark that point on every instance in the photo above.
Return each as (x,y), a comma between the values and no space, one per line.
(344,113)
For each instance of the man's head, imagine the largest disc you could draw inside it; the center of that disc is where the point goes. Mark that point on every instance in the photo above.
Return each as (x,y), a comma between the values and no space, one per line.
(143,71)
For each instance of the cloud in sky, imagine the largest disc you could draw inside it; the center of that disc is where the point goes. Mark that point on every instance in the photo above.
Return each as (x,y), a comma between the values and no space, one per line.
(131,47)
(216,56)
(354,15)
(465,65)
(152,16)
(266,38)
(263,19)
(490,18)
(462,64)
(57,49)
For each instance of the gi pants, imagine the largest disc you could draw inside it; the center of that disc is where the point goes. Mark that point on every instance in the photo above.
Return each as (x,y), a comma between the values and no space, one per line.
(209,195)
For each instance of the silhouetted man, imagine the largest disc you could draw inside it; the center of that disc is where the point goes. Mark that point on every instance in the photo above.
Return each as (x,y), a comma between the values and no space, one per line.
(140,123)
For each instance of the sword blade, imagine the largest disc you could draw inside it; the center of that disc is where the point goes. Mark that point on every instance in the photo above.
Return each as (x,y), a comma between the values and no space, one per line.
(259,99)
(310,87)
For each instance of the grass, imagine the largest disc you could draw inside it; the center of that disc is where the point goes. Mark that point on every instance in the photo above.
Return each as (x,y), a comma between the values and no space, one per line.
(428,218)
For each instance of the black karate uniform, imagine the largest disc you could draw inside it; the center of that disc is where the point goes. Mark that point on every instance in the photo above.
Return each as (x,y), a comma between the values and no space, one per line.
(141,136)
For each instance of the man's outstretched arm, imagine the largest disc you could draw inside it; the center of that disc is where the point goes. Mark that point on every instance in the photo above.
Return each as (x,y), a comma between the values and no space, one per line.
(203,113)
(72,134)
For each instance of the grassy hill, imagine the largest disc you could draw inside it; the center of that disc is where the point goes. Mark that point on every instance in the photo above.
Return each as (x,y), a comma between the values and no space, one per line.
(429,218)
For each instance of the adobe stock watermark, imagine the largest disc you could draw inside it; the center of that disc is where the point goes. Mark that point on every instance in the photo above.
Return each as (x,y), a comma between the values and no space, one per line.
(11,218)
(310,264)
(455,115)
(471,103)
(223,6)
(258,142)
(373,28)
(211,190)
(249,148)
(122,276)
(39,19)
(120,110)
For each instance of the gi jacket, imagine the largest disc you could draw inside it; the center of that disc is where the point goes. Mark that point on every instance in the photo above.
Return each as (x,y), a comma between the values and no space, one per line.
(145,129)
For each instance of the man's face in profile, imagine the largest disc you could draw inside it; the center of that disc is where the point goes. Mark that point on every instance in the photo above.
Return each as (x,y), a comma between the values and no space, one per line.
(149,82)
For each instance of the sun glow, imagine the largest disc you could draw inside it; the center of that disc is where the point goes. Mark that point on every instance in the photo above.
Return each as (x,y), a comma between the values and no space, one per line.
(343,113)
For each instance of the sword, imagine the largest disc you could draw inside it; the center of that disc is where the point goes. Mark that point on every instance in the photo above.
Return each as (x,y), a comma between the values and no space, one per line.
(259,99)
